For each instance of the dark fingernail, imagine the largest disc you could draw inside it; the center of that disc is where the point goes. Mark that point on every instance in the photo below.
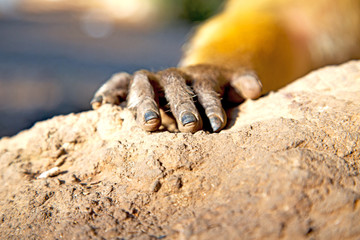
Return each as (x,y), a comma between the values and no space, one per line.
(97,99)
(149,115)
(187,118)
(215,123)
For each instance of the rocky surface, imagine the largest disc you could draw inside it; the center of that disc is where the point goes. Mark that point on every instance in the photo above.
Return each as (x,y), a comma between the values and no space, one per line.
(286,167)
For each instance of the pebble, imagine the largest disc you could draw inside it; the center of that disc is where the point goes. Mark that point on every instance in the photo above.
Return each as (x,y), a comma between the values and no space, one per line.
(50,173)
(155,187)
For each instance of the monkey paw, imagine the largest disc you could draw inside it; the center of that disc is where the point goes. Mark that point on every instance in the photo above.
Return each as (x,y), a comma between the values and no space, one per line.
(145,91)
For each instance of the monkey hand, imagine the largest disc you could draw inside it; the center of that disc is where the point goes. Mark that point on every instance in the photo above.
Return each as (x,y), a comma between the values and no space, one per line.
(144,91)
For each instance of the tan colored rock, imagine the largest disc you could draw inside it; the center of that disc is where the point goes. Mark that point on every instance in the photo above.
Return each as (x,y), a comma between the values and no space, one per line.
(287,167)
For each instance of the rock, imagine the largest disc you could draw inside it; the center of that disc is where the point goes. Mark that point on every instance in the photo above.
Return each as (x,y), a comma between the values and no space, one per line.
(286,167)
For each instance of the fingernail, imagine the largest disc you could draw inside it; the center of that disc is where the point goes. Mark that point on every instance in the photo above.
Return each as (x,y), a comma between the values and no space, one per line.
(187,118)
(97,99)
(215,123)
(149,115)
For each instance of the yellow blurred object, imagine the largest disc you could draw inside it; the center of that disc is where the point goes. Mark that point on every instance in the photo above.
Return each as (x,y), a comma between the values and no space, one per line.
(280,40)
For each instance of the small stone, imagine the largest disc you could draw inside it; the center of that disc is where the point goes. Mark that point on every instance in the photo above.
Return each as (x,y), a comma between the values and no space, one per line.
(50,173)
(60,161)
(155,187)
(58,153)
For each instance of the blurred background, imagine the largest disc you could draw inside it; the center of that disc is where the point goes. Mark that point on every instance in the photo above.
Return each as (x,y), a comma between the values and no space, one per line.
(54,54)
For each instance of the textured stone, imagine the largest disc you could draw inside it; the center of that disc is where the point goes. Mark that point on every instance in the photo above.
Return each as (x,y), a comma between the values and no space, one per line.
(286,167)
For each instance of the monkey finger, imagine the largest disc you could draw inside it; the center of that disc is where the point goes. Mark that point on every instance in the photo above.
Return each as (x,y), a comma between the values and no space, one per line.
(179,96)
(141,99)
(247,85)
(210,100)
(113,91)
(213,109)
(208,83)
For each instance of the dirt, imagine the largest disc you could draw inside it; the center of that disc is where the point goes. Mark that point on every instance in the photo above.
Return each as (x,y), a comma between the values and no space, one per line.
(286,167)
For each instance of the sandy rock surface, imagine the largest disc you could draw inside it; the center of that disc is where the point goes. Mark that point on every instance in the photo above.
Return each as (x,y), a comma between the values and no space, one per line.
(286,167)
